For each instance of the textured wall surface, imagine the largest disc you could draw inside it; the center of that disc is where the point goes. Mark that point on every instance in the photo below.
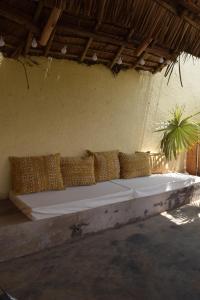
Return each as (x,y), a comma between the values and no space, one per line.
(71,107)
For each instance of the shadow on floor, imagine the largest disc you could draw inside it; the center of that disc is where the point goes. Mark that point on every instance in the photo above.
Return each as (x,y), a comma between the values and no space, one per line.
(155,259)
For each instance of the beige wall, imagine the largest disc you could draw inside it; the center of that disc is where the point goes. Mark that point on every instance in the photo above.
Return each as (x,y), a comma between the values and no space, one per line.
(163,97)
(71,107)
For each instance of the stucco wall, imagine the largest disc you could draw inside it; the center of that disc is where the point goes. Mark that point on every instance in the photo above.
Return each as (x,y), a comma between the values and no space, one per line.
(71,107)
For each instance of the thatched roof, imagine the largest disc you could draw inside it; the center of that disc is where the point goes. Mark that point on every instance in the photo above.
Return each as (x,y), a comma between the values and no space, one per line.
(145,34)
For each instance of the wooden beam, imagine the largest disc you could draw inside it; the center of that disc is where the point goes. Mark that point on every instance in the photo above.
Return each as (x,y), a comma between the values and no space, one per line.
(28,42)
(86,49)
(121,48)
(49,43)
(143,46)
(129,56)
(35,19)
(50,25)
(99,20)
(100,14)
(62,30)
(58,54)
(139,58)
(117,56)
(145,68)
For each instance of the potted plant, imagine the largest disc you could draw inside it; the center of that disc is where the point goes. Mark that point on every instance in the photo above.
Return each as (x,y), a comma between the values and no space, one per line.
(179,133)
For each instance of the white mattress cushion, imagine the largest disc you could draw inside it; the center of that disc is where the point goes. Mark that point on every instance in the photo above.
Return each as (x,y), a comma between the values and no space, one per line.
(157,183)
(74,199)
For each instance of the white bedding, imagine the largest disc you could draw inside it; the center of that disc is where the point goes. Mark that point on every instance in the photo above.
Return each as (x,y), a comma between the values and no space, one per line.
(74,199)
(157,183)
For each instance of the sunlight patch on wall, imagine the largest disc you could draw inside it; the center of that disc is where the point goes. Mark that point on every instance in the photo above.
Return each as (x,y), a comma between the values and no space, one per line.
(1,58)
(151,92)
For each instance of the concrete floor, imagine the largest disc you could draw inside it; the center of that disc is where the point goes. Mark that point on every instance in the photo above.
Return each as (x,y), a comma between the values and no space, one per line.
(155,259)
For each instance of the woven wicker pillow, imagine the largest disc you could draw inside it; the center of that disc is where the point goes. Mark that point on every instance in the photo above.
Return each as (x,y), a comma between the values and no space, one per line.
(77,171)
(36,174)
(158,163)
(134,165)
(106,165)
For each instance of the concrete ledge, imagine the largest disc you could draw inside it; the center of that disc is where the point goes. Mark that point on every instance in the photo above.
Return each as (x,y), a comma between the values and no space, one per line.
(30,237)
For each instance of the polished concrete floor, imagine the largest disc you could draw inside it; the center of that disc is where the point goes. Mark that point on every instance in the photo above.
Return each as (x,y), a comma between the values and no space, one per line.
(155,259)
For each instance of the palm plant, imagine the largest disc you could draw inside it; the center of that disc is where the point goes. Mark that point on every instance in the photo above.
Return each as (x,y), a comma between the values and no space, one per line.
(179,134)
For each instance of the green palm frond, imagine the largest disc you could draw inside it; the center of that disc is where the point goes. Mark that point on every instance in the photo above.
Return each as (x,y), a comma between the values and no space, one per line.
(179,134)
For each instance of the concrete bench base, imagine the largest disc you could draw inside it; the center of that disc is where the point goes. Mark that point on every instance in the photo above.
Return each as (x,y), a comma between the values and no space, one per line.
(32,236)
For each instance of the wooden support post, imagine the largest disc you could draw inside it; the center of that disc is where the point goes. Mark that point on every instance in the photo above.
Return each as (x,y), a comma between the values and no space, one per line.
(99,20)
(117,56)
(121,49)
(86,49)
(35,19)
(49,43)
(28,42)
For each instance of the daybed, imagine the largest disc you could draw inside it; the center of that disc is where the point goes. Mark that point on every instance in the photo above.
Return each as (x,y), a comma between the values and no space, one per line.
(76,211)
(61,197)
(140,191)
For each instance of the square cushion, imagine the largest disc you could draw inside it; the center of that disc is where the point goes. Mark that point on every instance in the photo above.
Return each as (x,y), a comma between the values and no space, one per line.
(134,165)
(106,165)
(36,174)
(158,163)
(77,171)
